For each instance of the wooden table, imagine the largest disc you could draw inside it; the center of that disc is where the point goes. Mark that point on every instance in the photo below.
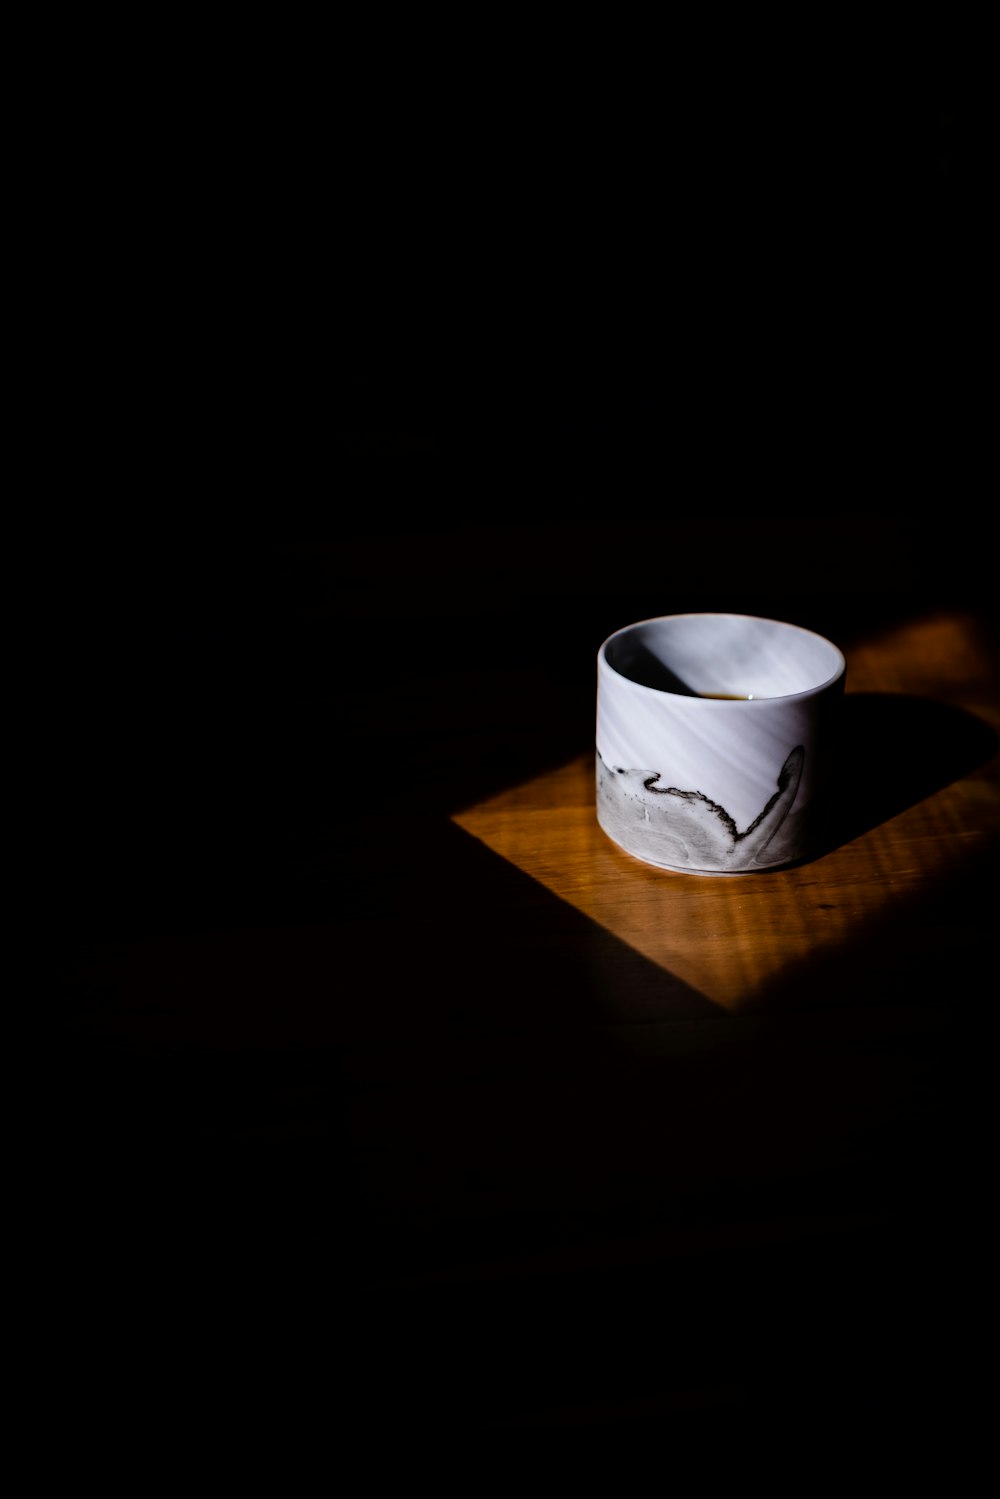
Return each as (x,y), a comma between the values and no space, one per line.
(394,1097)
(917,809)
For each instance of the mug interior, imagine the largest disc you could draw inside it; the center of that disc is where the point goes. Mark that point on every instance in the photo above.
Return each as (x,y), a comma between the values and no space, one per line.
(723,655)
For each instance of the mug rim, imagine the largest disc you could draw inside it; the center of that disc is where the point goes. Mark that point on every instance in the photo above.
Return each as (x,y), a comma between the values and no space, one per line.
(710,702)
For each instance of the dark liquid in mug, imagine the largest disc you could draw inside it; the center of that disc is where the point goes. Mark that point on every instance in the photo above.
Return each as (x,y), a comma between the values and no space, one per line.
(729,697)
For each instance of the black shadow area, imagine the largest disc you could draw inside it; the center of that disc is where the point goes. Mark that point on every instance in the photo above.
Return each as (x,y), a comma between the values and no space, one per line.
(896,750)
(505,1173)
(500,1199)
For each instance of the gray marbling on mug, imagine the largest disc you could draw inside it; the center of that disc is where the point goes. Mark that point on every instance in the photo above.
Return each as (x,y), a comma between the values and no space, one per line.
(686,829)
(713,739)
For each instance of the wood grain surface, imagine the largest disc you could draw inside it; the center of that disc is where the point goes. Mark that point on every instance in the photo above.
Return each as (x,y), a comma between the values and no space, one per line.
(902,822)
(385,1094)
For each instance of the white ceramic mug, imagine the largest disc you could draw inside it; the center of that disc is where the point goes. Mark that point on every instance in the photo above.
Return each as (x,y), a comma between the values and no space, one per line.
(715,740)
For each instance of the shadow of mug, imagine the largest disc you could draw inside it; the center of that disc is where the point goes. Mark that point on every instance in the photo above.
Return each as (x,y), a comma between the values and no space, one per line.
(894,751)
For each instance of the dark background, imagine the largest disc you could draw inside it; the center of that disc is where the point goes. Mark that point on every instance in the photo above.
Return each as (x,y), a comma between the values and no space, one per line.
(376,436)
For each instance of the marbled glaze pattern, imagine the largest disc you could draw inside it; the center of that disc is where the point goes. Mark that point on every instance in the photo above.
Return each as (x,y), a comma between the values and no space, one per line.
(686,829)
(712,732)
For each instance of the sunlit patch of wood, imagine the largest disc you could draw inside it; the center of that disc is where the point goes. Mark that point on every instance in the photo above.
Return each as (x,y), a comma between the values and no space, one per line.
(733,937)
